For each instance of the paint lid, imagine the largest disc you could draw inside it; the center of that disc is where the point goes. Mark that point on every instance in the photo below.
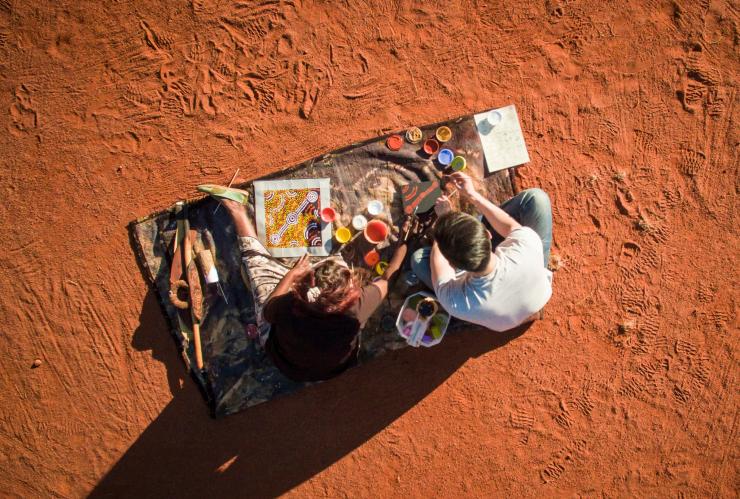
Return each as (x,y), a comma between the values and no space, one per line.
(371,258)
(458,163)
(443,134)
(414,135)
(394,142)
(445,157)
(374,207)
(431,146)
(359,222)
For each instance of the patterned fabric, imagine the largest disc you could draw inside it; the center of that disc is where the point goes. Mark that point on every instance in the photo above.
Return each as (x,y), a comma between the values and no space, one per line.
(238,373)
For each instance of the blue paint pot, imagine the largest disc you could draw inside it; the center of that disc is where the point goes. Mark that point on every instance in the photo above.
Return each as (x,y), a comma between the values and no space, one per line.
(445,157)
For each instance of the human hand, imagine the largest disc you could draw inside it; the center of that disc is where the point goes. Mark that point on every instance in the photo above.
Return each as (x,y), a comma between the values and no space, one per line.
(464,183)
(442,205)
(301,267)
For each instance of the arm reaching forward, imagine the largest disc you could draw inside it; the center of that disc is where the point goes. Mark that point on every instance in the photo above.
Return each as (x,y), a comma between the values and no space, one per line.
(501,221)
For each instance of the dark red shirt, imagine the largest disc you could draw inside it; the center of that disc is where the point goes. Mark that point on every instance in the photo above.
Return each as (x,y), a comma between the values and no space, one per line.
(309,346)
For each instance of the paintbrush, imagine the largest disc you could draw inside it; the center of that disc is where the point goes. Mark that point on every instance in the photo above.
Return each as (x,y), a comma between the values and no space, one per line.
(230,182)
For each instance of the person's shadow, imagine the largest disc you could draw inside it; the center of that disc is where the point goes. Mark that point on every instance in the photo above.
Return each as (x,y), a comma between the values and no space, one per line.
(271,448)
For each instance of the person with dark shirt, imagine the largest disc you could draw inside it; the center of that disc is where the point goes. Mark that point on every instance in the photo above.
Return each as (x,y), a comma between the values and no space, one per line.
(309,317)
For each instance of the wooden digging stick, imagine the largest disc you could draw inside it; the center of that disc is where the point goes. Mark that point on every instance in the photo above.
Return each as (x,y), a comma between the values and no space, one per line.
(196,294)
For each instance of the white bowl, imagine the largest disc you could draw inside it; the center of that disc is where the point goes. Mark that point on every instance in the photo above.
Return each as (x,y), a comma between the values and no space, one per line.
(359,222)
(375,207)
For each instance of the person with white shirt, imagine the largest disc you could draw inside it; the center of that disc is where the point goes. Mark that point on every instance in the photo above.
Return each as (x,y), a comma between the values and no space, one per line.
(498,280)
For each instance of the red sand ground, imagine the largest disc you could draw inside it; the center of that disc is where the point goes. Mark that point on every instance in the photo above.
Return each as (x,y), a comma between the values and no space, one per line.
(629,385)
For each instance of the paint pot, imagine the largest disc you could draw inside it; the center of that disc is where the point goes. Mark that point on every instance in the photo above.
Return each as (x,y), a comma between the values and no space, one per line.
(394,142)
(328,214)
(409,315)
(371,258)
(359,222)
(342,235)
(431,146)
(445,157)
(458,164)
(443,134)
(414,135)
(381,267)
(376,231)
(374,207)
(494,118)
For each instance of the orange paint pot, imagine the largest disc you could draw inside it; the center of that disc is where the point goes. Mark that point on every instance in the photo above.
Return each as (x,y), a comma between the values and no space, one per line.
(376,231)
(371,258)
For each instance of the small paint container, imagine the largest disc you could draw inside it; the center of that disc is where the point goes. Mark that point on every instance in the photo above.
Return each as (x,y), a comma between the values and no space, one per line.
(359,222)
(443,133)
(431,146)
(376,231)
(394,142)
(458,164)
(342,235)
(328,214)
(380,267)
(374,207)
(371,258)
(414,135)
(494,118)
(445,156)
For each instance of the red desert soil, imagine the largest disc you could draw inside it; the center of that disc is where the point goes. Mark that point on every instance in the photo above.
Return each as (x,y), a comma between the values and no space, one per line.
(627,388)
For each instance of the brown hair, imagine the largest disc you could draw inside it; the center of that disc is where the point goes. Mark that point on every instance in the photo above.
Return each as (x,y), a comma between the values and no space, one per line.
(339,287)
(463,240)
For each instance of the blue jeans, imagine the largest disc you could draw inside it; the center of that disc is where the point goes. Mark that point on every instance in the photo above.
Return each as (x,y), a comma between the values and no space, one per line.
(530,208)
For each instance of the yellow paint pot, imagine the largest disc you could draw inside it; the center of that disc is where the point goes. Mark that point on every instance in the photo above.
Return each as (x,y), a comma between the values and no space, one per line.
(342,235)
(380,267)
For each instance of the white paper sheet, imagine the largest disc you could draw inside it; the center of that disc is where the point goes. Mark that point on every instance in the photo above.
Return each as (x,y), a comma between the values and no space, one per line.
(503,143)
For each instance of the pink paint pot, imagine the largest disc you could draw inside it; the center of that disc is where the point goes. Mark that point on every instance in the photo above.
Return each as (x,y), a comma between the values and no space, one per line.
(376,231)
(328,214)
(431,146)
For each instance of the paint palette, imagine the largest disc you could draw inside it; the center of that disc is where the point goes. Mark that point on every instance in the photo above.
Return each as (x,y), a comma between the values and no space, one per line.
(418,330)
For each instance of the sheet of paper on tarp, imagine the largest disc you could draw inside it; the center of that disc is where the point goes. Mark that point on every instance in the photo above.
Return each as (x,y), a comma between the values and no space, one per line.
(288,216)
(502,138)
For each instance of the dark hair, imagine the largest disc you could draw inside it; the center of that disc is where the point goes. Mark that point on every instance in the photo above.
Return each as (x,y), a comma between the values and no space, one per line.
(338,284)
(463,240)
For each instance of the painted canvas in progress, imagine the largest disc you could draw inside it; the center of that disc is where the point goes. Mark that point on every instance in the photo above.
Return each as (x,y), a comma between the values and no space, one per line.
(502,139)
(288,216)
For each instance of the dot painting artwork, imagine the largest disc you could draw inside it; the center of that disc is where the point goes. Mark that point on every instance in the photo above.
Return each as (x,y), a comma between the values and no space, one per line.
(288,216)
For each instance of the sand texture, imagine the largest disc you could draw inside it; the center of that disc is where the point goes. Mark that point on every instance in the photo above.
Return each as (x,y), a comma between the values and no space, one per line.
(112,110)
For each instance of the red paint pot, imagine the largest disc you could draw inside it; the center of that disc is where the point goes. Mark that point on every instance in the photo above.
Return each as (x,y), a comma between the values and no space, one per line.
(394,142)
(376,231)
(328,214)
(431,146)
(371,258)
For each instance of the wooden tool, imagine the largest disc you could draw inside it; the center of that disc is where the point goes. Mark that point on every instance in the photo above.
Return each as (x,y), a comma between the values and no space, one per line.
(196,293)
(176,281)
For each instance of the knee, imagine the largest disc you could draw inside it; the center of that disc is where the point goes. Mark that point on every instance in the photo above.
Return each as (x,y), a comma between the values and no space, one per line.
(418,257)
(538,198)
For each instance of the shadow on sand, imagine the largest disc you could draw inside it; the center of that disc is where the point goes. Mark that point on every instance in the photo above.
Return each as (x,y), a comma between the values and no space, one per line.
(268,449)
